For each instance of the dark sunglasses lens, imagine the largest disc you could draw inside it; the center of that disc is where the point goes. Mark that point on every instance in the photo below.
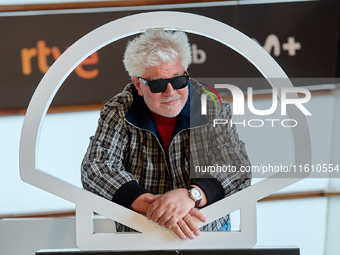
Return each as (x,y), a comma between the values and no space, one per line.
(158,86)
(179,82)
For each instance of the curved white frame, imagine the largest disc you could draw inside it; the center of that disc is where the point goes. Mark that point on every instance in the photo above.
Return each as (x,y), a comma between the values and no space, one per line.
(153,237)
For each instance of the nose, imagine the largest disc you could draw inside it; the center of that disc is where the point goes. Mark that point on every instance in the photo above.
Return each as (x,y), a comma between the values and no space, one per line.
(169,90)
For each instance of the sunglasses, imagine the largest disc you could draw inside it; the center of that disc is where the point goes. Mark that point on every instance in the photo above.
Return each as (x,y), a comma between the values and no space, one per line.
(160,85)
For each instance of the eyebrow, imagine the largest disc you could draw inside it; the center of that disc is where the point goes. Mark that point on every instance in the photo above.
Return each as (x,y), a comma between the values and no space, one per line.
(174,75)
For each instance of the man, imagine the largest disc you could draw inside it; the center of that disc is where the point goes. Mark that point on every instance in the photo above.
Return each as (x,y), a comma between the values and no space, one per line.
(151,136)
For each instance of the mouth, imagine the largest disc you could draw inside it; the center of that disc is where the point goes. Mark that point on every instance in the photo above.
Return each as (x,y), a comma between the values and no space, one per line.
(171,101)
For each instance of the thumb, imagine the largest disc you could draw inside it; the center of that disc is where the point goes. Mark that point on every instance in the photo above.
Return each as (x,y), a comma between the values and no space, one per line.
(196,213)
(150,198)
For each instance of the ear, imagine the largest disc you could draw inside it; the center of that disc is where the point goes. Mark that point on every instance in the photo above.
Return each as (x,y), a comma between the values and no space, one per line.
(137,84)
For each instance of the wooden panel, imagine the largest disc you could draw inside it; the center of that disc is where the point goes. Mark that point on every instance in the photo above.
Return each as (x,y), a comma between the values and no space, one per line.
(273,197)
(101,4)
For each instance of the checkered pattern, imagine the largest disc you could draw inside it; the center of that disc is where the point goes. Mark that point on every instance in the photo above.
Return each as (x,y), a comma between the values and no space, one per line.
(120,152)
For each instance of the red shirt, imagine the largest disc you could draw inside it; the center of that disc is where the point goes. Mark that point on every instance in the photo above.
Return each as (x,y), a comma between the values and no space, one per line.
(166,127)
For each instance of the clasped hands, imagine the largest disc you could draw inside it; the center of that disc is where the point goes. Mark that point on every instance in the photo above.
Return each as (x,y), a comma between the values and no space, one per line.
(174,210)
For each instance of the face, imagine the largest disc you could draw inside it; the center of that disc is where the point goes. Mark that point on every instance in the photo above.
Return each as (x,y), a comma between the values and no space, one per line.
(170,102)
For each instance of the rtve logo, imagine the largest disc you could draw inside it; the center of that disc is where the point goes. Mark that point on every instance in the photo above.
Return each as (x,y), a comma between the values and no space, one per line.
(43,53)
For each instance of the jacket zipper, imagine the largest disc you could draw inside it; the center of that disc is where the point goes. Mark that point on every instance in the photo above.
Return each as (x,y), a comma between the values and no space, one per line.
(189,138)
(160,145)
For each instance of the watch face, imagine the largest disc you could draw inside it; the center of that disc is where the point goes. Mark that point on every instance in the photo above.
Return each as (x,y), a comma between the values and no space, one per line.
(195,193)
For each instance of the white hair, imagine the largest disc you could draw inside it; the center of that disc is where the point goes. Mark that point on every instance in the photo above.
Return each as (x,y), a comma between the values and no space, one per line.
(156,46)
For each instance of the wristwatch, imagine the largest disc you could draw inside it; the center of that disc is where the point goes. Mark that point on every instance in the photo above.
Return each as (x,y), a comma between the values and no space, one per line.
(195,194)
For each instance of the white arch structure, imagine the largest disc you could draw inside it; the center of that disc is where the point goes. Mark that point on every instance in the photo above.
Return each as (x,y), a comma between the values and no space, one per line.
(152,236)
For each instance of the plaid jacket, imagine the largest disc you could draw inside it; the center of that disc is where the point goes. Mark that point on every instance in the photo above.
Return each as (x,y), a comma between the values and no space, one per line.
(126,156)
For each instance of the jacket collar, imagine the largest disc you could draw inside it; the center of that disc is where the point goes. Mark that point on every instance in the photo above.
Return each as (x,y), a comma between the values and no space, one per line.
(140,116)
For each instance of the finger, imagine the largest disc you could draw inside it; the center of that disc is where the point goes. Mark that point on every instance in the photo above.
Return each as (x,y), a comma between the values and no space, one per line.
(158,214)
(178,232)
(197,214)
(191,224)
(151,210)
(172,221)
(164,221)
(185,229)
